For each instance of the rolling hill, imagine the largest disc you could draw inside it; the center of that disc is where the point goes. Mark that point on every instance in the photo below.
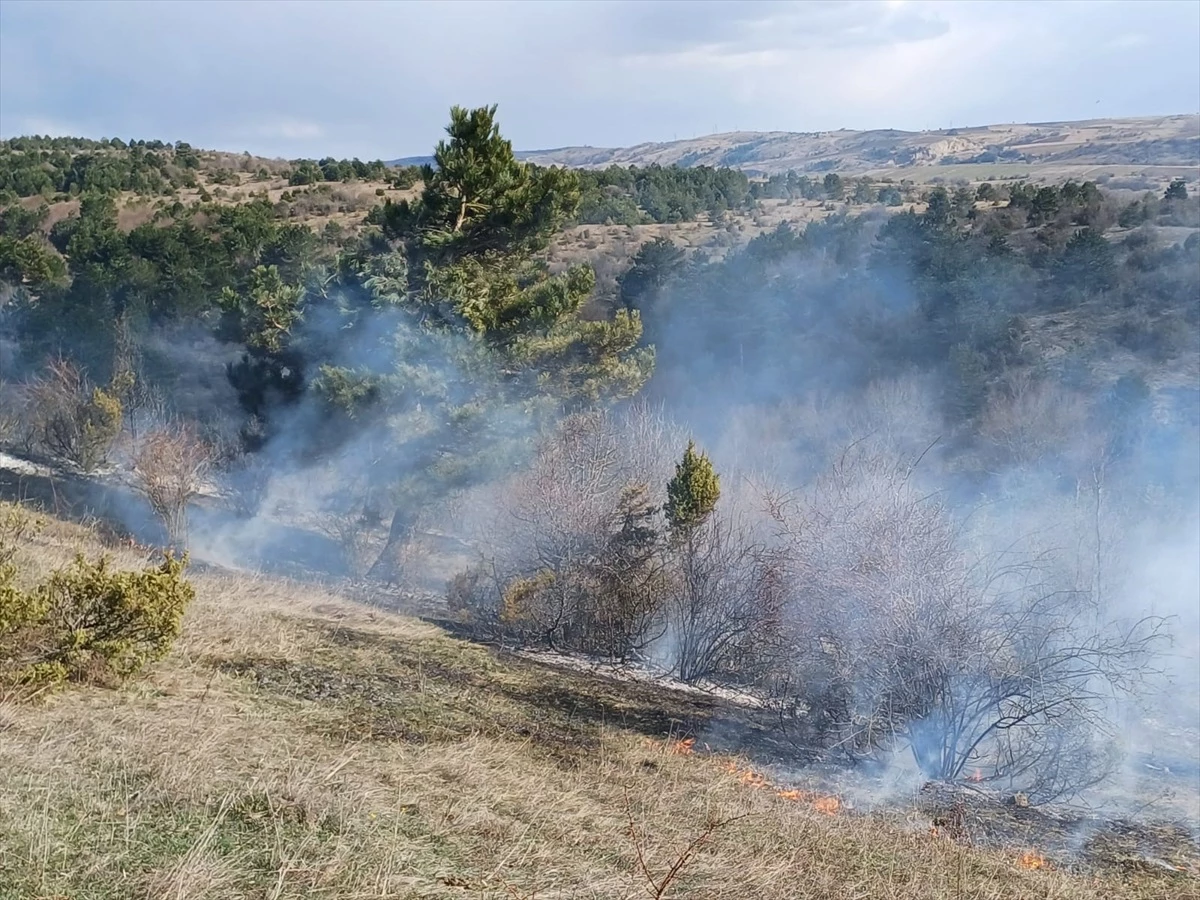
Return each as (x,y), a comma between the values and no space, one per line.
(1170,141)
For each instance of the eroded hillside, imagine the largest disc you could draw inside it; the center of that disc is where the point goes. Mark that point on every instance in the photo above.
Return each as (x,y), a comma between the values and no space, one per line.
(1059,148)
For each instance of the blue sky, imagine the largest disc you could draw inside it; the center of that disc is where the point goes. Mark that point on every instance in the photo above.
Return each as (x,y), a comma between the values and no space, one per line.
(376,79)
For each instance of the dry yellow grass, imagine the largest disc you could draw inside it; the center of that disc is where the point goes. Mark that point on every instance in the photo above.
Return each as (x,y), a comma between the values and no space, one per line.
(297,745)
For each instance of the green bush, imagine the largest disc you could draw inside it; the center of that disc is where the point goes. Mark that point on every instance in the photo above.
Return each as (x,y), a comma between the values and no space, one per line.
(16,526)
(88,623)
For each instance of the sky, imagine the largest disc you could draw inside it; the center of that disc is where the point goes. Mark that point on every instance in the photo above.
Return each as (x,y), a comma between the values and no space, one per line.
(301,78)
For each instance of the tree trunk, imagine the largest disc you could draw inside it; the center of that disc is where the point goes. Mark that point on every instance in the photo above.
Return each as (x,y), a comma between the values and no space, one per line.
(386,566)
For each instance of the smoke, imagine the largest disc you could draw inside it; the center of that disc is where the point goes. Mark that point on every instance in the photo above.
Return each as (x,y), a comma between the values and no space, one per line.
(1079,455)
(879,381)
(333,487)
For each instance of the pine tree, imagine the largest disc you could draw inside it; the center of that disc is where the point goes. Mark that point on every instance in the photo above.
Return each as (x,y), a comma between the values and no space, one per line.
(483,329)
(693,493)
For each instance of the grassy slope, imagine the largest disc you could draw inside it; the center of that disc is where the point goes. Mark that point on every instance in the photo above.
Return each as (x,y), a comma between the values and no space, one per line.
(296,745)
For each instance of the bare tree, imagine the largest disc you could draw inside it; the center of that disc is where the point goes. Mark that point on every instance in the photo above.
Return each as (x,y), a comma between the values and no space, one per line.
(573,550)
(1029,418)
(73,419)
(169,469)
(725,601)
(557,517)
(981,662)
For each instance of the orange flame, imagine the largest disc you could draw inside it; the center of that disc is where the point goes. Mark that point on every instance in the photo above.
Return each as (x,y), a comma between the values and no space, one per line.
(754,779)
(827,805)
(1031,860)
(684,747)
(758,781)
(976,776)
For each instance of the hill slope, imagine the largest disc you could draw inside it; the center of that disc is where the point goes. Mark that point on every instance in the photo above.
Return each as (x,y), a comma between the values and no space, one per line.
(297,745)
(1159,141)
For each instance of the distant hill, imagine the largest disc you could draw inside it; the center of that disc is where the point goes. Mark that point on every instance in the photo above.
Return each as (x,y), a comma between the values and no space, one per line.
(413,161)
(1159,141)
(520,154)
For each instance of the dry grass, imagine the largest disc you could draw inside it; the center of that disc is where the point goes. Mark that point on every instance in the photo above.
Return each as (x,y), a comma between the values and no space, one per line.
(313,205)
(296,745)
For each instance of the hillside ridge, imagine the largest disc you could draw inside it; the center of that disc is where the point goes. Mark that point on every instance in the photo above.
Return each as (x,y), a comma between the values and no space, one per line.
(1172,140)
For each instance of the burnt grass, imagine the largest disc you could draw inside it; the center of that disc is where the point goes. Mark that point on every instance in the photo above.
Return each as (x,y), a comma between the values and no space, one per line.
(1071,839)
(362,685)
(371,686)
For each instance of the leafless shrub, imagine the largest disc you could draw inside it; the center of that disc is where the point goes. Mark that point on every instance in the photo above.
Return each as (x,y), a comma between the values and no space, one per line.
(897,413)
(1027,419)
(351,536)
(12,420)
(579,557)
(869,562)
(575,551)
(1027,706)
(170,466)
(146,407)
(906,637)
(726,599)
(73,419)
(649,442)
(246,479)
(349,528)
(559,515)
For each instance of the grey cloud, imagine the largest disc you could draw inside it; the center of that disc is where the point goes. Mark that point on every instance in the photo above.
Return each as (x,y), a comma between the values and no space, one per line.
(740,27)
(374,79)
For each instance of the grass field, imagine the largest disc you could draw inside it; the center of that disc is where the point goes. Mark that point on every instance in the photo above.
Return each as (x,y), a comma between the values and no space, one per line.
(297,745)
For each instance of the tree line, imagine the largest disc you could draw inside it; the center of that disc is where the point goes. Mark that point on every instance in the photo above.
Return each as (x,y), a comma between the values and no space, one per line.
(68,167)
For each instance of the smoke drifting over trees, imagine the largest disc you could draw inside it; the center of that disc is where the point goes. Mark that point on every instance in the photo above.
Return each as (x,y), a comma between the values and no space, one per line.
(897,473)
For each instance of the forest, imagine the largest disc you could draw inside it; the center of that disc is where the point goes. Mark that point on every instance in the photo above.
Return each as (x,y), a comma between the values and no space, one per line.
(898,471)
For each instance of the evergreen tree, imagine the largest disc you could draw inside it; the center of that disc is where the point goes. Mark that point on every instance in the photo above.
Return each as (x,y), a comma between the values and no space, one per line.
(656,261)
(1088,262)
(693,493)
(483,338)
